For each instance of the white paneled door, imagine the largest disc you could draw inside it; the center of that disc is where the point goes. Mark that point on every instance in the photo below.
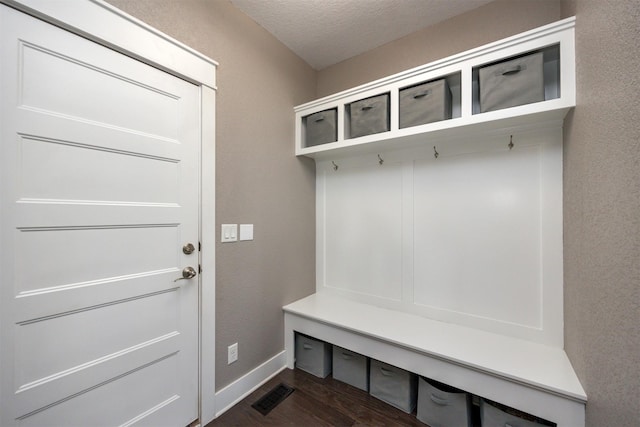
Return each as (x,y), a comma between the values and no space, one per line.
(99,194)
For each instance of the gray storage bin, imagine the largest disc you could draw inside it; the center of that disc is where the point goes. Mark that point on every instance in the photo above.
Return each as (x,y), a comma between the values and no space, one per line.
(369,115)
(351,368)
(320,127)
(313,356)
(440,405)
(425,103)
(393,385)
(493,414)
(509,83)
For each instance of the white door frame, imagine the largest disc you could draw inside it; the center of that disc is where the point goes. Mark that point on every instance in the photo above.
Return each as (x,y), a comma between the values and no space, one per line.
(106,25)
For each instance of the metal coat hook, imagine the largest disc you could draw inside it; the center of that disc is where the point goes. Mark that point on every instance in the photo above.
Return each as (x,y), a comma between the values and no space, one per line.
(335,167)
(510,142)
(435,152)
(380,160)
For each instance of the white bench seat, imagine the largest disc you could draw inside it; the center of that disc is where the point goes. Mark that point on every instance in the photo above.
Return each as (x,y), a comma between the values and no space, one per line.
(531,377)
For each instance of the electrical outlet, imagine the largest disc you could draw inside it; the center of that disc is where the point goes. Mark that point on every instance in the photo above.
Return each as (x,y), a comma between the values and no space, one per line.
(232,353)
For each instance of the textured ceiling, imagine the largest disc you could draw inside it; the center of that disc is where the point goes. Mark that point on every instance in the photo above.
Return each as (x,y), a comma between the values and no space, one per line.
(325,32)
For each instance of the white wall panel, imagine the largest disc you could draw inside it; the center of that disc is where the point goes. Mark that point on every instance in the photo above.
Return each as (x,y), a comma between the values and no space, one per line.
(472,236)
(478,234)
(363,230)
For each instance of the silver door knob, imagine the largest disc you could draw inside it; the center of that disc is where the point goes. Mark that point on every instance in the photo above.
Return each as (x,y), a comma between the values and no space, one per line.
(187,273)
(188,249)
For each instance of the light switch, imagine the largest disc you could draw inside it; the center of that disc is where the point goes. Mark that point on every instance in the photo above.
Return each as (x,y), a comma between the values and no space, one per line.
(246,231)
(229,233)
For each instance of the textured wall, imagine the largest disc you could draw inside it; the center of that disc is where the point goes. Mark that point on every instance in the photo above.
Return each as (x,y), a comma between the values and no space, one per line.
(258,178)
(494,21)
(602,211)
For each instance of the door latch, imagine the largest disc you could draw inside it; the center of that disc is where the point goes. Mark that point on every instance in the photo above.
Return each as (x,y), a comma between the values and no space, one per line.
(187,273)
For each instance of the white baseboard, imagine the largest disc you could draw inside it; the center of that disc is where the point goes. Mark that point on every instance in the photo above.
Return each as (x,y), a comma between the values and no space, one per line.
(245,385)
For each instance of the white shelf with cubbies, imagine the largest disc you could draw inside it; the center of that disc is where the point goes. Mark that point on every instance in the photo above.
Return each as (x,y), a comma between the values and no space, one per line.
(519,81)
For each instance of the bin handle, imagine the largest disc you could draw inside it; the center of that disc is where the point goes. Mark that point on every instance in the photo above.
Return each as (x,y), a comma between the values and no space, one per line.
(366,108)
(307,346)
(346,356)
(422,94)
(512,70)
(386,372)
(319,119)
(507,425)
(439,401)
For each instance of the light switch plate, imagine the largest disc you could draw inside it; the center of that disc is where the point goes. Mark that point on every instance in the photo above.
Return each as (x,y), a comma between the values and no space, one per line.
(229,233)
(246,231)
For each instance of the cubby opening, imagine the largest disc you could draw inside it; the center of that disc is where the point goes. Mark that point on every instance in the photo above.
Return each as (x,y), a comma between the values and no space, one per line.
(367,116)
(320,128)
(550,76)
(430,101)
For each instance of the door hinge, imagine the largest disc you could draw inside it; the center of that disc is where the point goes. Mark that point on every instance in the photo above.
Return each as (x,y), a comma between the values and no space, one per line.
(199,247)
(199,269)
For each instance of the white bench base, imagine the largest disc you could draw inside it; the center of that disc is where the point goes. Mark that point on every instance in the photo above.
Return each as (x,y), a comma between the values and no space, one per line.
(533,378)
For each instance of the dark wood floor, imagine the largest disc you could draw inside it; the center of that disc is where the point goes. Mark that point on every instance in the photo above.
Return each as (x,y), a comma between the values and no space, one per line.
(316,402)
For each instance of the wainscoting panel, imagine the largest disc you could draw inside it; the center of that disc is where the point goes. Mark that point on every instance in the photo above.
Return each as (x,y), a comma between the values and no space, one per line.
(471,236)
(477,235)
(363,230)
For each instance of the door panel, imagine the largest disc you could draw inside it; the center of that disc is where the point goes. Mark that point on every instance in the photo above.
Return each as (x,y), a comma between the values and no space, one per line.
(119,401)
(63,259)
(66,351)
(79,87)
(99,178)
(79,174)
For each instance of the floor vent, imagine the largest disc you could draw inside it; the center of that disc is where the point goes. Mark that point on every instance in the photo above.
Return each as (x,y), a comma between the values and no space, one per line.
(273,398)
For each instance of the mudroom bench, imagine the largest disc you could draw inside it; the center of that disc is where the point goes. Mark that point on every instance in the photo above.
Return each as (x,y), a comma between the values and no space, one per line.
(531,377)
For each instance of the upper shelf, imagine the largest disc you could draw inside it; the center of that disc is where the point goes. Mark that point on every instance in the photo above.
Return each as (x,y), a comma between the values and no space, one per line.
(554,44)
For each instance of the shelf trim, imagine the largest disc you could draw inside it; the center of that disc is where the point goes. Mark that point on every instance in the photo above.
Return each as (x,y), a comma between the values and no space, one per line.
(398,140)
